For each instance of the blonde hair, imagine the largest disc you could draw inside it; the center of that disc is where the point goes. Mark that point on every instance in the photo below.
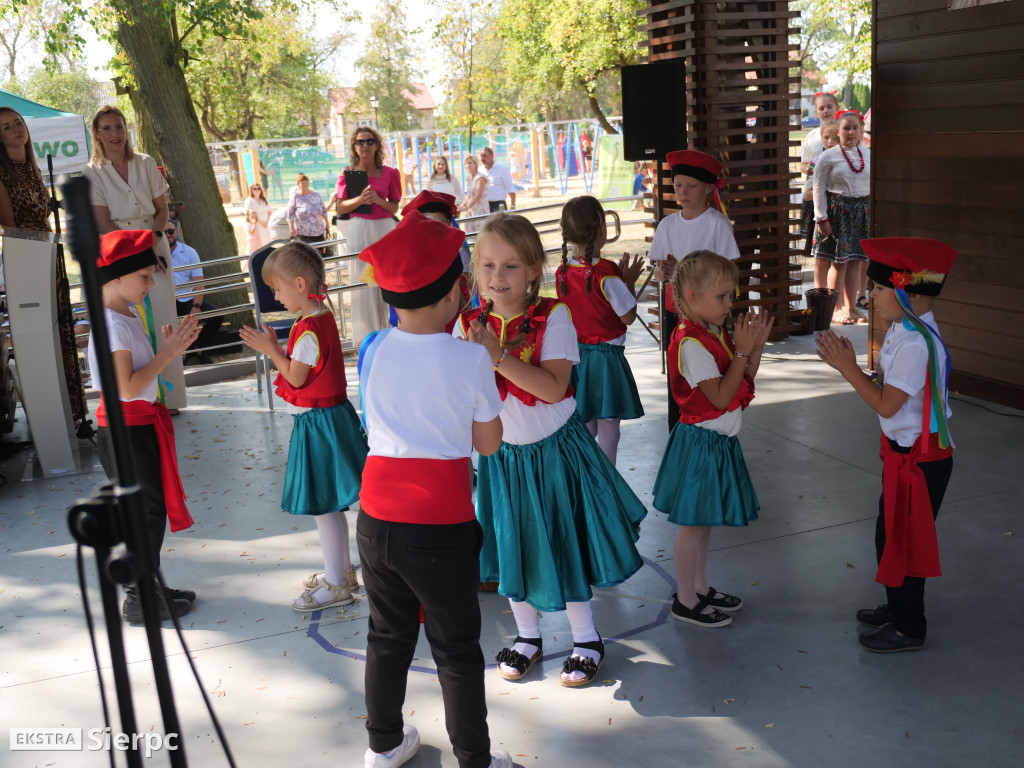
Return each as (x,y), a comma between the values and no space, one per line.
(98,155)
(700,270)
(471,158)
(519,234)
(296,260)
(378,155)
(581,224)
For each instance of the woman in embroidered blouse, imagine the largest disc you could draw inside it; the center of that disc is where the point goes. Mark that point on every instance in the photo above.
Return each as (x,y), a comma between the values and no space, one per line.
(24,199)
(842,183)
(475,203)
(383,193)
(128,191)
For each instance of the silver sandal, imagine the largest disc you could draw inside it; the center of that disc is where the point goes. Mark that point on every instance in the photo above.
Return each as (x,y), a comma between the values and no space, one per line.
(305,603)
(315,580)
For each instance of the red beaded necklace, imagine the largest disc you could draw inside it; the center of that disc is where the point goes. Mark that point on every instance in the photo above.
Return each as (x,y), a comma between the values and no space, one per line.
(850,162)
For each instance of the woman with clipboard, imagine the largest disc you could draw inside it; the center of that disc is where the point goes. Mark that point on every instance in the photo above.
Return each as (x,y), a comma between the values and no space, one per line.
(368,190)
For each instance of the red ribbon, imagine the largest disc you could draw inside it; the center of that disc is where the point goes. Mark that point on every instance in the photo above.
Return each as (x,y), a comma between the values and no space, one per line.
(321,297)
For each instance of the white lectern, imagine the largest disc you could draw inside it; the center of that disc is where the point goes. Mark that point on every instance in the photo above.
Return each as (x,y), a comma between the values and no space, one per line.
(30,272)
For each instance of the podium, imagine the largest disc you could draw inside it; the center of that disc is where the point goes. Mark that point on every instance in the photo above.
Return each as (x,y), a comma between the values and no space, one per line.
(30,272)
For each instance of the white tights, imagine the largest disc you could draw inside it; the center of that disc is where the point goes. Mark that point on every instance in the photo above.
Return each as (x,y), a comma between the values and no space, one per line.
(581,619)
(333,530)
(606,432)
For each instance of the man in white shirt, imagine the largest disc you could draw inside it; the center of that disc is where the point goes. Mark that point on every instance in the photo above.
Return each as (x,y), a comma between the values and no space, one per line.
(500,183)
(185,256)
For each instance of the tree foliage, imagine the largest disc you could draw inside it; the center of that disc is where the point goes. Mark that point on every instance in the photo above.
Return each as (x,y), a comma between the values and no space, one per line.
(268,83)
(73,91)
(569,45)
(24,23)
(837,37)
(387,68)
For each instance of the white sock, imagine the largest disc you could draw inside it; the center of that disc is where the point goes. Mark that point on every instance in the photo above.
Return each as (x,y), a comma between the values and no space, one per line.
(334,542)
(581,619)
(527,625)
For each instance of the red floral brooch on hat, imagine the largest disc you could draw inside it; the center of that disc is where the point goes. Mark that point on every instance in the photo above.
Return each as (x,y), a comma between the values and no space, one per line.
(900,279)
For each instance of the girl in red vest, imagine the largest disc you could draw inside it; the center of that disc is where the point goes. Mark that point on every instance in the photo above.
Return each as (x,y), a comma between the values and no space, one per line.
(327,450)
(703,480)
(599,294)
(557,518)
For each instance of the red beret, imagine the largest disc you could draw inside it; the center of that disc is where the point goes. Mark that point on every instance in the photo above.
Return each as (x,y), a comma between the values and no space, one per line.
(125,251)
(914,263)
(696,164)
(432,202)
(417,262)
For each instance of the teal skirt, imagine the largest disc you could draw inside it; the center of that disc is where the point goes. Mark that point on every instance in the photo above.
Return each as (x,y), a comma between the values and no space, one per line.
(604,384)
(703,479)
(557,519)
(325,461)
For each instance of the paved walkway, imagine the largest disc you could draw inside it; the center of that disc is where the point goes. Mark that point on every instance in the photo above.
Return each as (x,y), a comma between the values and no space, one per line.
(785,685)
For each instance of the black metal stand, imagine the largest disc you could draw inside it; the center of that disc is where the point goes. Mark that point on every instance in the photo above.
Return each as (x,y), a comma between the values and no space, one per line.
(112,522)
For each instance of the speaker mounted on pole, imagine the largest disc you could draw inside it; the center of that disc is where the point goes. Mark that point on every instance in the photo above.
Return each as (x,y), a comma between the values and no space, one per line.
(653,109)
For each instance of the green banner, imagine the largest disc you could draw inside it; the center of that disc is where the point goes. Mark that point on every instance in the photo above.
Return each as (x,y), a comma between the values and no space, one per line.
(614,173)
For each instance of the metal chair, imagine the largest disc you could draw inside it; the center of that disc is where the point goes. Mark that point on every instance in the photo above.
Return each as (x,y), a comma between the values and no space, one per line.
(264,301)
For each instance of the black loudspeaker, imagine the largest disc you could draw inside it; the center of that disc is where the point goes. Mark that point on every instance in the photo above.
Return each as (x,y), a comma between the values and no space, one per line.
(653,109)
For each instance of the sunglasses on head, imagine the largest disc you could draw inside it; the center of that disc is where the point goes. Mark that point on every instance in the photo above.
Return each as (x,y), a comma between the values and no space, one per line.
(366,142)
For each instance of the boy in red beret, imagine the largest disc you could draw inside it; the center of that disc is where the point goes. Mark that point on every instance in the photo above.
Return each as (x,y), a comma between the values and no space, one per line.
(910,398)
(697,226)
(428,400)
(126,265)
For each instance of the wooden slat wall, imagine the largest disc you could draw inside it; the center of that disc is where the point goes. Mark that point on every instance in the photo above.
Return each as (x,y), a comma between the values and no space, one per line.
(948,163)
(737,64)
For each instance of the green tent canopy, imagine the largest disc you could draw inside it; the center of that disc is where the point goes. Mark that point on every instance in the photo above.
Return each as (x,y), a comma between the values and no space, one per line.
(61,135)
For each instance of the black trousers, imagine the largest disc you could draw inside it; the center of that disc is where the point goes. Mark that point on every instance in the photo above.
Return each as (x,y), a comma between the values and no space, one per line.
(406,566)
(906,602)
(145,453)
(210,325)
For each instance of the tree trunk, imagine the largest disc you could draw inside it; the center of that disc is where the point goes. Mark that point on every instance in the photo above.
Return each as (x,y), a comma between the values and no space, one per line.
(595,108)
(144,130)
(149,45)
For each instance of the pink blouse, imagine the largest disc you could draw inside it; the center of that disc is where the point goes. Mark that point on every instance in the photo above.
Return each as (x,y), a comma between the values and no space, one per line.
(388,186)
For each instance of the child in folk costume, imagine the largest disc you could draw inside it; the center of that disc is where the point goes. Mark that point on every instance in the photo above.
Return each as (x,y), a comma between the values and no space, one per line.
(910,398)
(829,139)
(700,224)
(126,266)
(842,184)
(557,517)
(599,295)
(327,449)
(703,480)
(428,401)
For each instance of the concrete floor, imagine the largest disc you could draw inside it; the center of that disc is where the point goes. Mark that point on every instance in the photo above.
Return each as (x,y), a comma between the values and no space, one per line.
(785,685)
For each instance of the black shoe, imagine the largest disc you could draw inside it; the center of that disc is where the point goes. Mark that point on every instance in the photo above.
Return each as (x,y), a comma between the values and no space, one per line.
(888,639)
(519,662)
(206,358)
(181,594)
(694,616)
(874,617)
(583,664)
(723,600)
(131,610)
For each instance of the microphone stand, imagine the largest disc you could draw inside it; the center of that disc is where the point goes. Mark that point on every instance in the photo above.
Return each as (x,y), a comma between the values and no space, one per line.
(112,521)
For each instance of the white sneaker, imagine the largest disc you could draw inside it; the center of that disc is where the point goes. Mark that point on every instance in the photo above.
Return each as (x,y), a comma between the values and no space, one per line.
(500,759)
(400,754)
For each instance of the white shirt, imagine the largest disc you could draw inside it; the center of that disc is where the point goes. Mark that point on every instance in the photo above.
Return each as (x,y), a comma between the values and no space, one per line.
(524,424)
(499,184)
(423,394)
(678,236)
(903,363)
(130,203)
(833,174)
(696,364)
(441,184)
(811,146)
(182,256)
(125,333)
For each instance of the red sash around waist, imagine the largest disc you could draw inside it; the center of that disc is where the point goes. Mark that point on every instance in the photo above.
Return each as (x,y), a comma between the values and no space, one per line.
(139,413)
(911,542)
(423,491)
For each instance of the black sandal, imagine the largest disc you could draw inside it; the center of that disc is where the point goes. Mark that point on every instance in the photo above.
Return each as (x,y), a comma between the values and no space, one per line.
(518,661)
(723,600)
(862,302)
(583,664)
(694,616)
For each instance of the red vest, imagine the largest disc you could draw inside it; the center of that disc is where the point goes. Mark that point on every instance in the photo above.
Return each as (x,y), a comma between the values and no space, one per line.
(694,406)
(325,386)
(529,348)
(592,313)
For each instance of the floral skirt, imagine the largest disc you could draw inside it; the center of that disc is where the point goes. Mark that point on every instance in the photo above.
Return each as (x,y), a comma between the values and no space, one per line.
(849,219)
